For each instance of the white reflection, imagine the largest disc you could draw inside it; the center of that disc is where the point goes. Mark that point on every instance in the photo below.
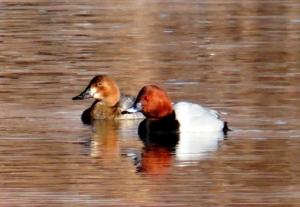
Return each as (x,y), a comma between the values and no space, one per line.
(196,146)
(162,148)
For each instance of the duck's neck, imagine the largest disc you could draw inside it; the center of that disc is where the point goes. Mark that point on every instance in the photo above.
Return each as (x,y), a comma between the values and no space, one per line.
(168,122)
(112,101)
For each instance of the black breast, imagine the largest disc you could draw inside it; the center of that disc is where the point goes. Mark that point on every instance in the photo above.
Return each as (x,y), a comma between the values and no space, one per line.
(162,132)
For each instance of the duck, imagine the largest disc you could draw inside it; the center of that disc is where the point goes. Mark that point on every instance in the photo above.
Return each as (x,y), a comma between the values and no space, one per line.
(164,116)
(109,102)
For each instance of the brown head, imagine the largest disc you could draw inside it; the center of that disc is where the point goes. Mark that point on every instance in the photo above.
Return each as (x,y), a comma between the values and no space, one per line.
(101,88)
(153,102)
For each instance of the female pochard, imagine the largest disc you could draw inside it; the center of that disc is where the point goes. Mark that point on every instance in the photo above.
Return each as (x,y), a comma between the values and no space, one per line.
(109,102)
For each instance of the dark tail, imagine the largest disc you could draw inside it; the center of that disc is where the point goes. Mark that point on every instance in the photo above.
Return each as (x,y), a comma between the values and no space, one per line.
(226,128)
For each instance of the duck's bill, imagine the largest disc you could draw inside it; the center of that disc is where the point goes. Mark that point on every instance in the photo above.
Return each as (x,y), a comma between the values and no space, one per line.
(131,110)
(83,95)
(134,109)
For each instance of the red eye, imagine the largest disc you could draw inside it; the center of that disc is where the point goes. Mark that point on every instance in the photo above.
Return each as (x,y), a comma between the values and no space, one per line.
(146,98)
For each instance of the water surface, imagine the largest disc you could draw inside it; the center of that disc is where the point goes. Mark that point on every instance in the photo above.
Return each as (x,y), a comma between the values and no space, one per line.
(238,57)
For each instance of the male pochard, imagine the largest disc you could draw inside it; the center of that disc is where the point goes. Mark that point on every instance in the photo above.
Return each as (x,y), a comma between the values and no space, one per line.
(161,114)
(109,102)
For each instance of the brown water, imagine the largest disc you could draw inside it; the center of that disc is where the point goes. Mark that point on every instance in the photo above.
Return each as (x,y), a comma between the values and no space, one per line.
(239,57)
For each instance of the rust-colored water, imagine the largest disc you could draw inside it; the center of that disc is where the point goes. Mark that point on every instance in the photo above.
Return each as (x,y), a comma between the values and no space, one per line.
(239,57)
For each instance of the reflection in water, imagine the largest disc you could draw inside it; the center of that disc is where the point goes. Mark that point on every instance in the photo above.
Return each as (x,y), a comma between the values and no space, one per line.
(155,160)
(160,151)
(196,146)
(160,146)
(154,156)
(105,140)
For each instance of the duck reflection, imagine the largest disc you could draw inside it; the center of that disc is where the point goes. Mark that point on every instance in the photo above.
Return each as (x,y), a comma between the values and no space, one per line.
(193,147)
(107,144)
(158,150)
(162,149)
(104,140)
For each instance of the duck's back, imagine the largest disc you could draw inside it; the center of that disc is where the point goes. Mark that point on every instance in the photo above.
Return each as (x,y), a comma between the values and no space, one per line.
(126,101)
(196,118)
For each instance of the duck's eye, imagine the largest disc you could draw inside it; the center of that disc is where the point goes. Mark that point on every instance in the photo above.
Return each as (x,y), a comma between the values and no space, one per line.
(146,98)
(99,84)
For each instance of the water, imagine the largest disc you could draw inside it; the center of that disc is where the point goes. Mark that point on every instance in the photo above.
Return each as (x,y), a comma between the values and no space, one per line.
(238,57)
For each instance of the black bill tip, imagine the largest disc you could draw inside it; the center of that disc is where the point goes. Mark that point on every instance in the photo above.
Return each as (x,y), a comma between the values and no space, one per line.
(83,95)
(125,112)
(79,97)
